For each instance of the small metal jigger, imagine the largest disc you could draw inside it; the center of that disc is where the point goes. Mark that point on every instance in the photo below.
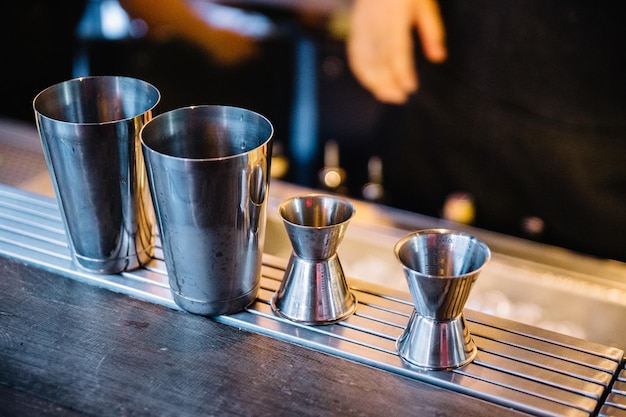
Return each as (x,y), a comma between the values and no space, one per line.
(440,267)
(314,288)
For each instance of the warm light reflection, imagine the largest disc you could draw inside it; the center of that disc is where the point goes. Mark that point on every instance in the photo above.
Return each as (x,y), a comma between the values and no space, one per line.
(332,179)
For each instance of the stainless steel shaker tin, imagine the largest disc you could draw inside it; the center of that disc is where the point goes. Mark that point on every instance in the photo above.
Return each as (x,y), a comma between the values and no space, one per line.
(209,172)
(89,129)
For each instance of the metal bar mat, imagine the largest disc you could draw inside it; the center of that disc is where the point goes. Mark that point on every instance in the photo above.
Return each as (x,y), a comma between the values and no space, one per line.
(518,366)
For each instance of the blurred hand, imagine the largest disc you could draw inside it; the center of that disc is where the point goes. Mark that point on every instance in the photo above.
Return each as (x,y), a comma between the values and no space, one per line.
(178,18)
(380,44)
(228,48)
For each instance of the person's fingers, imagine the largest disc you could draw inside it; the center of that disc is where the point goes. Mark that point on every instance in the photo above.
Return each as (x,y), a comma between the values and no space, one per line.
(375,72)
(430,28)
(398,55)
(379,48)
(380,44)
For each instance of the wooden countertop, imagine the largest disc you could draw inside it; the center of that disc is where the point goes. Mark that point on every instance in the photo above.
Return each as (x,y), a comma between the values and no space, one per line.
(69,348)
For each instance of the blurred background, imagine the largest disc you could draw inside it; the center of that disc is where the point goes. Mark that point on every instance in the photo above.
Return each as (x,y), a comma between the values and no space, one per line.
(287,60)
(298,77)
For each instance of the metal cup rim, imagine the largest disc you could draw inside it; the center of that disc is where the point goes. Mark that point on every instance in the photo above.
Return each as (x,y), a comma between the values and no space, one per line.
(442,231)
(202,107)
(317,196)
(90,78)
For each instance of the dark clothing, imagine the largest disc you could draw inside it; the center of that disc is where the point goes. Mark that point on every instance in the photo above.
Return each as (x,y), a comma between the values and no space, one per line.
(528,115)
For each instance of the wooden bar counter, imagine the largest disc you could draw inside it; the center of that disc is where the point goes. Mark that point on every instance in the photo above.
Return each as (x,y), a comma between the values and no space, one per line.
(73,349)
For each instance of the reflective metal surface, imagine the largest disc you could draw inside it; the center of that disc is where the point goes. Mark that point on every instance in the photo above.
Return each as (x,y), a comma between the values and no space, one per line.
(440,266)
(208,169)
(314,288)
(541,285)
(89,129)
(615,404)
(526,368)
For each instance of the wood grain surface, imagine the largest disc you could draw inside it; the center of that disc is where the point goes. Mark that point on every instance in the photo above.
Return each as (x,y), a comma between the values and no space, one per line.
(72,349)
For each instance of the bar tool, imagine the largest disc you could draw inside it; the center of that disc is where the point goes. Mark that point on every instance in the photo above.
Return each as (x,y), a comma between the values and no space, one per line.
(209,171)
(441,267)
(89,130)
(314,289)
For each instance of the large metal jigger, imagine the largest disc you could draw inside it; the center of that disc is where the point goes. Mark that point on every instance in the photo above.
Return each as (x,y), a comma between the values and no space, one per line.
(314,288)
(441,267)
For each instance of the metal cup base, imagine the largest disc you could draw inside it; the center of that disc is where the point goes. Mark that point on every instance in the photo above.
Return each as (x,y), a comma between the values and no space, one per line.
(114,265)
(217,307)
(436,345)
(314,292)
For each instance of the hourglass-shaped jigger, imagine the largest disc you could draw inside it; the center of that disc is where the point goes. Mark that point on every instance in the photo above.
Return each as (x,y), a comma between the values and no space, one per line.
(314,288)
(440,267)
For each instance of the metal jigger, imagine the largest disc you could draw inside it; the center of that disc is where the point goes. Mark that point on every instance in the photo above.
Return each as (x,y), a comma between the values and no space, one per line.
(440,267)
(314,288)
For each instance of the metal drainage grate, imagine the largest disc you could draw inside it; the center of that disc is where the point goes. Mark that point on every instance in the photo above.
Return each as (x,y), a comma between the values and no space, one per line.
(517,366)
(615,404)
